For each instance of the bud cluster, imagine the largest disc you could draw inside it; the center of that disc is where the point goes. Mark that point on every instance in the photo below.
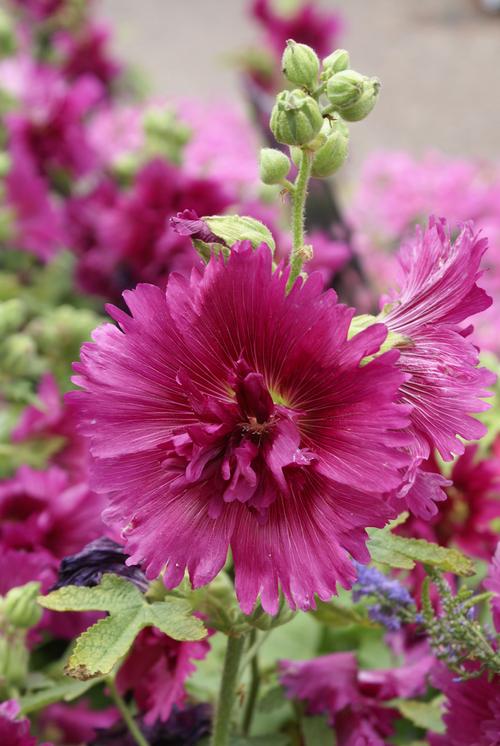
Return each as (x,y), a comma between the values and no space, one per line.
(312,116)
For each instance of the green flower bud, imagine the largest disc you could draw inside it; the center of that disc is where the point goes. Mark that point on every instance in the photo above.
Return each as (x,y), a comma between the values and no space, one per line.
(345,88)
(165,134)
(18,352)
(274,166)
(364,105)
(14,658)
(300,64)
(331,156)
(335,63)
(295,118)
(12,315)
(20,606)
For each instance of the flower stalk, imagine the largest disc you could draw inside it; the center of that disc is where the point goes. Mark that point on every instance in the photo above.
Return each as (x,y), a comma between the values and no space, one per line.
(126,714)
(299,196)
(227,692)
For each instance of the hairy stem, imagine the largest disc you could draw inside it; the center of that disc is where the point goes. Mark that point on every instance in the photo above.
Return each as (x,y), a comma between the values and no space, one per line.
(252,695)
(126,714)
(227,692)
(298,216)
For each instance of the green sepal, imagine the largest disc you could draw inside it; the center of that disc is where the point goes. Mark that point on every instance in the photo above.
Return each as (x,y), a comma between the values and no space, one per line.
(233,228)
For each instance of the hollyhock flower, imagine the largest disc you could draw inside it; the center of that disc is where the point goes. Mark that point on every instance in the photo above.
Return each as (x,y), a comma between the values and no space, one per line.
(225,412)
(131,240)
(87,53)
(438,292)
(50,129)
(396,191)
(222,144)
(15,730)
(492,583)
(306,24)
(52,417)
(465,517)
(472,710)
(115,131)
(43,510)
(20,566)
(352,699)
(77,723)
(156,669)
(100,556)
(37,226)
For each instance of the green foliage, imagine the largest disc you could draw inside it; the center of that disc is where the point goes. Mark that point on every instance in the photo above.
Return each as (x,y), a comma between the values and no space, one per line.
(401,552)
(233,228)
(426,715)
(101,646)
(316,731)
(56,691)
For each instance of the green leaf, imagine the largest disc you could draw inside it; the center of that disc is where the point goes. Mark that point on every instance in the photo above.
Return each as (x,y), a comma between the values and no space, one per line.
(316,731)
(401,552)
(426,715)
(65,691)
(101,646)
(233,228)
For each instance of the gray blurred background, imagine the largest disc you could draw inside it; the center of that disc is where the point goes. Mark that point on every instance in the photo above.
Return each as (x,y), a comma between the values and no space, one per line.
(438,61)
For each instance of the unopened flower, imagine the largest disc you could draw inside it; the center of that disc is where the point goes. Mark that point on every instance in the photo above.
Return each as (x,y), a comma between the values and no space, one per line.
(227,413)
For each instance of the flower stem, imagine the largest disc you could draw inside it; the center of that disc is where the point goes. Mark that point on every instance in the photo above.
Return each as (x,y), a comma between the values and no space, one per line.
(227,692)
(298,216)
(252,695)
(126,714)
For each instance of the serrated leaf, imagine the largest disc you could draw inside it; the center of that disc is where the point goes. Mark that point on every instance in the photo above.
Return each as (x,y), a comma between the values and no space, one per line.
(104,644)
(233,228)
(426,715)
(65,691)
(101,646)
(113,594)
(401,552)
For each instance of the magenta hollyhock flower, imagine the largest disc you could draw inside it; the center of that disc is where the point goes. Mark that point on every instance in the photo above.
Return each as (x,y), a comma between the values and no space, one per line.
(472,709)
(492,583)
(156,669)
(439,291)
(87,53)
(465,517)
(126,238)
(76,723)
(52,417)
(352,699)
(306,24)
(227,413)
(21,566)
(50,128)
(42,510)
(38,10)
(37,225)
(15,730)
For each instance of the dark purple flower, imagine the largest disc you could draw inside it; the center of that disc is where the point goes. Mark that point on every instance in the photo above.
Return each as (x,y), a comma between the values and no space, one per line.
(100,556)
(185,727)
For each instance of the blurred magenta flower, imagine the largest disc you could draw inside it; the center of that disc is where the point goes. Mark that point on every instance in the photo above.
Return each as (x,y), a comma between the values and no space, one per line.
(15,730)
